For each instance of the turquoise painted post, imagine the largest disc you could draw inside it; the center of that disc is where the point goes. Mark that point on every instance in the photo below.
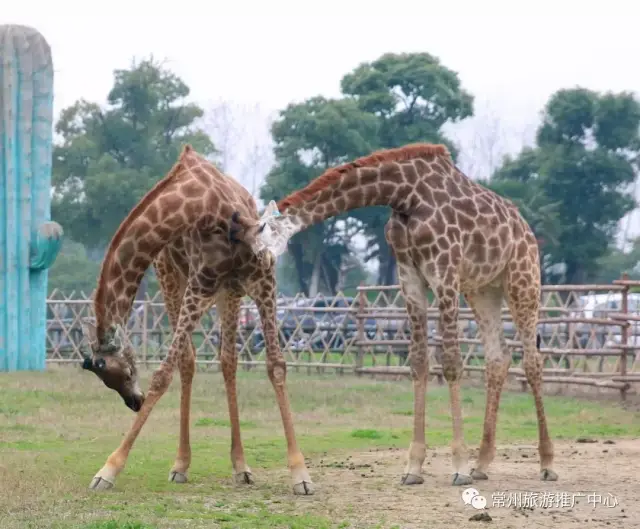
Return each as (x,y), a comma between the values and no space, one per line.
(29,241)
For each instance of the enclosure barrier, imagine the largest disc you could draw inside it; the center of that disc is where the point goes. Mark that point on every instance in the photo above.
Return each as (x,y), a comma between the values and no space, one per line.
(589,334)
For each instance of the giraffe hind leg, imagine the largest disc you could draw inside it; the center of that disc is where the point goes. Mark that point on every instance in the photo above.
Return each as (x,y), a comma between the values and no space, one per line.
(524,305)
(228,306)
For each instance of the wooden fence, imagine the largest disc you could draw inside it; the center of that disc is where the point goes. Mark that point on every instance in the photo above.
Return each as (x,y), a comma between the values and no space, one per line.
(590,334)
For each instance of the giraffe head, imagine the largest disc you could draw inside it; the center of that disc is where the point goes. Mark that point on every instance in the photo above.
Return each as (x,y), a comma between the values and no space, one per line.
(271,232)
(113,362)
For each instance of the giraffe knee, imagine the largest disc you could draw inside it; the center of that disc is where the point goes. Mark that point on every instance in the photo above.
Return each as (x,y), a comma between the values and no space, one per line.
(419,367)
(277,371)
(533,362)
(187,361)
(188,370)
(160,380)
(451,368)
(228,363)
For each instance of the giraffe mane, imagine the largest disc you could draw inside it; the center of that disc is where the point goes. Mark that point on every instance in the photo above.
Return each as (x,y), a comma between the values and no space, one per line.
(400,154)
(138,209)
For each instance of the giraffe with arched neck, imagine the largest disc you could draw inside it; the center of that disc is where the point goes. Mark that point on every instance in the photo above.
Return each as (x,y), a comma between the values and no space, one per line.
(452,235)
(182,226)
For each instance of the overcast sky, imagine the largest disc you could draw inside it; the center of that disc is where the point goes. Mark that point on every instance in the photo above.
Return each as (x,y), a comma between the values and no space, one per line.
(264,53)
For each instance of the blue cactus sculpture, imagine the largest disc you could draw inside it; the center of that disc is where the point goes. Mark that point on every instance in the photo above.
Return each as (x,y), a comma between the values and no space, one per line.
(29,241)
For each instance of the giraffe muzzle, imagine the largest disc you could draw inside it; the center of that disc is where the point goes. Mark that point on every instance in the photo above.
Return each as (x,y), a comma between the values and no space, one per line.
(134,402)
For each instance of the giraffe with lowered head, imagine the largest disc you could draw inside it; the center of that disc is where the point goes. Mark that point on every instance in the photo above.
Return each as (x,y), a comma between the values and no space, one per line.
(454,236)
(182,226)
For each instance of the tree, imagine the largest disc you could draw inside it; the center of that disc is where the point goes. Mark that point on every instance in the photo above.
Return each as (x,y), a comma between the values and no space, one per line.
(108,158)
(309,138)
(612,265)
(73,271)
(486,139)
(584,161)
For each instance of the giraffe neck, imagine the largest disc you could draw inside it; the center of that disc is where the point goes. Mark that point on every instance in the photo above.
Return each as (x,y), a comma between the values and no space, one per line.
(185,199)
(134,246)
(392,184)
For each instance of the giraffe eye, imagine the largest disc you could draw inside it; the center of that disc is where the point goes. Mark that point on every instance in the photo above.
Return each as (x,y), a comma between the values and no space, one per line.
(261,228)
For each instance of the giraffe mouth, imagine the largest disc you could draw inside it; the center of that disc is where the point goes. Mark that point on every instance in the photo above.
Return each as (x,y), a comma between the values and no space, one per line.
(134,402)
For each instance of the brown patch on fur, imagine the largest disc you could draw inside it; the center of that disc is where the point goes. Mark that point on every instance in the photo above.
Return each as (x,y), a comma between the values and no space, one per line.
(401,154)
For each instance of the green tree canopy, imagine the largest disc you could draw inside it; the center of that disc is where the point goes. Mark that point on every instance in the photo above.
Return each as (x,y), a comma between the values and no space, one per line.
(412,94)
(573,186)
(73,273)
(107,158)
(309,138)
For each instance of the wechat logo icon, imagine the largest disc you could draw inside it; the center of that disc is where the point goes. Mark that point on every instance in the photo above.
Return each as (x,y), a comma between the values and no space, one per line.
(472,497)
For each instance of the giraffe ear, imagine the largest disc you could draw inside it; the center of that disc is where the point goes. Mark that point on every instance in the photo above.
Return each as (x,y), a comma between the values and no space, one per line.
(90,331)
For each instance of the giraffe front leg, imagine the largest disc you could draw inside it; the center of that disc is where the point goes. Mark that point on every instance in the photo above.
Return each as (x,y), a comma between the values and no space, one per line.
(486,304)
(414,291)
(190,312)
(106,476)
(496,371)
(187,367)
(448,301)
(229,310)
(277,371)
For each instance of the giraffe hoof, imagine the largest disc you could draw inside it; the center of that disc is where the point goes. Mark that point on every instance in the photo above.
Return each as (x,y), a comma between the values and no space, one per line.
(478,474)
(177,477)
(98,483)
(304,488)
(411,479)
(546,474)
(244,478)
(459,480)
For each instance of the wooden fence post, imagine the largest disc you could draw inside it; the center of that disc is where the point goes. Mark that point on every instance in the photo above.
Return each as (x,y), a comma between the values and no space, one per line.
(145,335)
(362,299)
(624,332)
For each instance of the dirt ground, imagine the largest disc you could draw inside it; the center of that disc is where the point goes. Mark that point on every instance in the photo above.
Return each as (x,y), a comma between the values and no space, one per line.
(597,487)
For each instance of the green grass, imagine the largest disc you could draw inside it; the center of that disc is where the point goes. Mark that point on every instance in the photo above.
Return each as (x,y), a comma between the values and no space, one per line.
(58,427)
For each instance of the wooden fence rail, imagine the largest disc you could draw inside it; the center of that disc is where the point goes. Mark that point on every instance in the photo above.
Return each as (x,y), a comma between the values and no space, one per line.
(590,334)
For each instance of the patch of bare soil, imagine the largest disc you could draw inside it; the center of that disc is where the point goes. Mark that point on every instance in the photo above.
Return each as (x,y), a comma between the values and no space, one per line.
(597,487)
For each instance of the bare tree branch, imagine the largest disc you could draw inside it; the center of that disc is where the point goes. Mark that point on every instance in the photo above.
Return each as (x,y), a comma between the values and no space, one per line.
(486,138)
(242,135)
